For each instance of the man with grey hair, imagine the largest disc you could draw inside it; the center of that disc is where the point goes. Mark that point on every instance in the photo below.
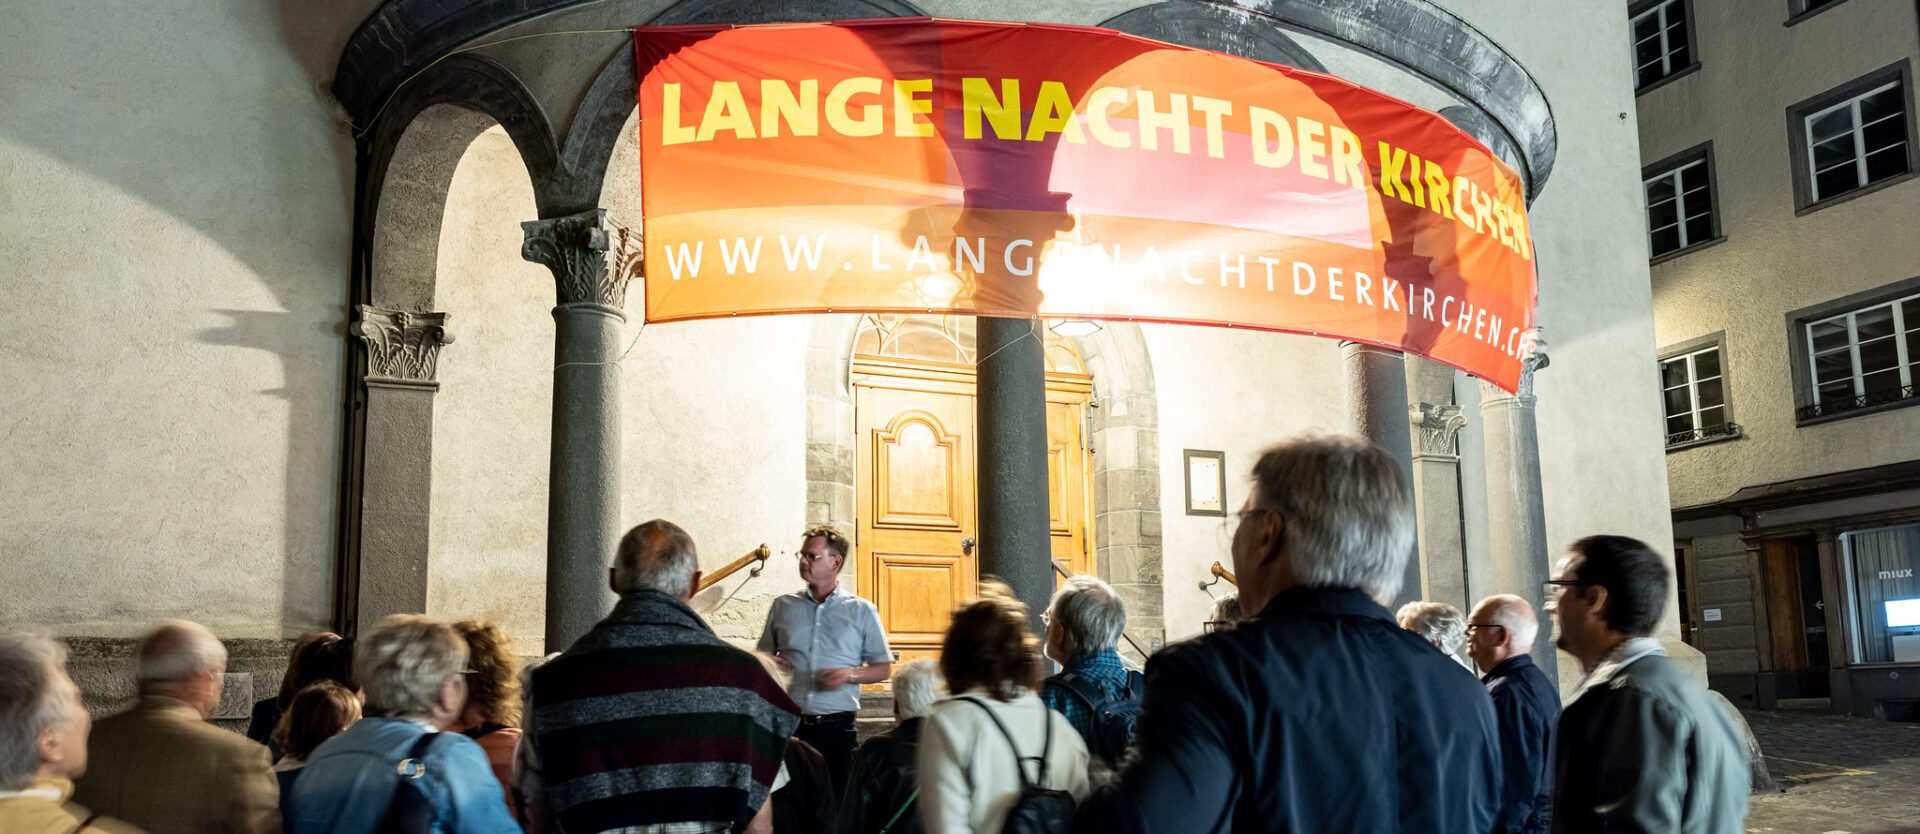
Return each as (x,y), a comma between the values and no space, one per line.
(43,740)
(1318,713)
(1526,705)
(161,766)
(881,790)
(1436,622)
(1098,695)
(650,722)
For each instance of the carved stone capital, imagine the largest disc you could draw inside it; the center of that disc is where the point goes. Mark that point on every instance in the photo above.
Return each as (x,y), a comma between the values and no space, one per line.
(401,346)
(1434,428)
(1534,347)
(575,247)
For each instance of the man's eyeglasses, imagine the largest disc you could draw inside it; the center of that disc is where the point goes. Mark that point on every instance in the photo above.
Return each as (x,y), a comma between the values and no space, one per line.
(1551,587)
(808,557)
(1218,625)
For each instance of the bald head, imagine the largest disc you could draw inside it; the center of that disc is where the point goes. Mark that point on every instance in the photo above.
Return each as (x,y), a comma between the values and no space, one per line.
(183,660)
(656,556)
(1514,627)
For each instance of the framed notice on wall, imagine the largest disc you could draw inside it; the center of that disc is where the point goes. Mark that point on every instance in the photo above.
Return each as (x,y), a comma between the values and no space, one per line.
(1206,482)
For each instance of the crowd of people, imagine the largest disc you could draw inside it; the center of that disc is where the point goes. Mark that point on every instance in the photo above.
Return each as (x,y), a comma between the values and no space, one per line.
(1304,707)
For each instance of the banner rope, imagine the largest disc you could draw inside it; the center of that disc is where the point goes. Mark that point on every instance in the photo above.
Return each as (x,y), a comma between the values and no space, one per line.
(623,354)
(361,133)
(1033,332)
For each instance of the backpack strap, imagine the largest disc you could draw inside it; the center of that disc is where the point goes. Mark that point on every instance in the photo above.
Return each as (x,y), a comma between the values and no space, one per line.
(1046,745)
(417,756)
(903,809)
(1081,689)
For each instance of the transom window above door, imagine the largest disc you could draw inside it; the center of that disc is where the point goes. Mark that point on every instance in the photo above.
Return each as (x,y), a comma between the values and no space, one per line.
(948,339)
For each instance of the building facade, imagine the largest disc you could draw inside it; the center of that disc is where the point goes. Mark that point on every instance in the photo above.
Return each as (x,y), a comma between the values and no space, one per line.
(1779,142)
(337,327)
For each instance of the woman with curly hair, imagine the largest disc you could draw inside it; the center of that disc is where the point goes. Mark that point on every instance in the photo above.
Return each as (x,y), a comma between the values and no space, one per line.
(492,714)
(978,747)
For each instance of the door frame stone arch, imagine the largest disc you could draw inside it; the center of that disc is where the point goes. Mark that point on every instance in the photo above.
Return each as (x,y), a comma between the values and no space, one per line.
(1125,466)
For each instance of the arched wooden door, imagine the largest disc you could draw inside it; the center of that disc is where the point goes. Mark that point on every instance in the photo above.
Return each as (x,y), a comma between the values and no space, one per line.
(914,470)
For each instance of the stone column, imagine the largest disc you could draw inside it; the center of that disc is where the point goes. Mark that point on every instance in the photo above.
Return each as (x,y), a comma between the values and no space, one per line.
(1377,411)
(1436,491)
(583,490)
(1520,559)
(403,349)
(1010,422)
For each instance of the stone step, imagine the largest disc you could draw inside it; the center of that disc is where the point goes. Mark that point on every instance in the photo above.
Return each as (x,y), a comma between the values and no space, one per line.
(1805,704)
(876,704)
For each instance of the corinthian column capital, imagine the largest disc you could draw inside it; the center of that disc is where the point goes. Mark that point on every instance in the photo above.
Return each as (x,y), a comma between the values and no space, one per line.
(1535,346)
(1434,429)
(575,248)
(401,346)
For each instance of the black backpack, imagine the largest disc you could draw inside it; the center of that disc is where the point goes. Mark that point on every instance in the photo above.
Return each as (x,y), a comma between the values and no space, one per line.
(411,812)
(1040,809)
(1110,721)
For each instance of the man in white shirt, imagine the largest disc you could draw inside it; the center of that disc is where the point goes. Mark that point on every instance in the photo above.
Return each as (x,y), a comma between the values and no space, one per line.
(832,642)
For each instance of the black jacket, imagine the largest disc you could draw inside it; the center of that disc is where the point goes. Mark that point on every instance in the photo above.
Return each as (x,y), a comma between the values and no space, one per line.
(881,781)
(1320,714)
(1525,706)
(805,804)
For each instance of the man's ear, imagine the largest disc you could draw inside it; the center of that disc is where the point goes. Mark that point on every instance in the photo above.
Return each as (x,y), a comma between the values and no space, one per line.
(612,585)
(693,586)
(1272,529)
(51,750)
(1597,599)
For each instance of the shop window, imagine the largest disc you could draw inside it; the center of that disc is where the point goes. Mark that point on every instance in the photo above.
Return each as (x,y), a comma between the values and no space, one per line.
(1662,41)
(1855,137)
(1883,584)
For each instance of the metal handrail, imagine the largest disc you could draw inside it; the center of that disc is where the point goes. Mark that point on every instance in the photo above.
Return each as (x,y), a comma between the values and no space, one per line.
(1220,573)
(1061,568)
(758,554)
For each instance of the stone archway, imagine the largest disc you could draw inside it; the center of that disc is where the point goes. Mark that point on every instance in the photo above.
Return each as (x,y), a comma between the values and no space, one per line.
(1126,459)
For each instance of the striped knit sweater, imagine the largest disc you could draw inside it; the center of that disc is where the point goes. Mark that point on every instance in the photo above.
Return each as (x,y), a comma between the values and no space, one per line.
(651,718)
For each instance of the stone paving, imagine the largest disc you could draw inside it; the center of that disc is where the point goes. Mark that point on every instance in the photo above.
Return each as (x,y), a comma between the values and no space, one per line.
(1839,774)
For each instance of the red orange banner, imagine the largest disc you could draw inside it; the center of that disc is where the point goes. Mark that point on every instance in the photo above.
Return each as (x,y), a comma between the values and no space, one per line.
(969,167)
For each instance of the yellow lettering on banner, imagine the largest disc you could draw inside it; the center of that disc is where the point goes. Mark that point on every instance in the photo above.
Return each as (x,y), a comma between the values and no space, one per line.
(906,105)
(1269,126)
(1098,105)
(1437,191)
(779,103)
(1521,236)
(1461,188)
(1392,160)
(1003,112)
(1313,148)
(1053,113)
(1482,212)
(1413,179)
(672,132)
(1503,216)
(1174,121)
(1349,167)
(726,110)
(870,123)
(1215,110)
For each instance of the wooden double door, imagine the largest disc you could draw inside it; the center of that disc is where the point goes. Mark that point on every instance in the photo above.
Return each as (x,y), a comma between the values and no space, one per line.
(914,463)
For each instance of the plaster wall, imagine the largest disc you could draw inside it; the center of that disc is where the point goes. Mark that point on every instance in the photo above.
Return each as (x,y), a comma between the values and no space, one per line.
(1751,70)
(177,244)
(487,540)
(1237,392)
(1602,449)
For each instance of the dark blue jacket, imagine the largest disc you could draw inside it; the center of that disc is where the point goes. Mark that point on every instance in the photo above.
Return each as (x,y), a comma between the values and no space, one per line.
(1318,715)
(1526,706)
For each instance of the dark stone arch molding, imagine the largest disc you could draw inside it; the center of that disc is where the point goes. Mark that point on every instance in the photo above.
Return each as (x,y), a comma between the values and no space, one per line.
(1217,27)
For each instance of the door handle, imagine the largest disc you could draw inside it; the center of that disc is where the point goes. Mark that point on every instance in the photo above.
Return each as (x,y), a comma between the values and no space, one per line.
(966,546)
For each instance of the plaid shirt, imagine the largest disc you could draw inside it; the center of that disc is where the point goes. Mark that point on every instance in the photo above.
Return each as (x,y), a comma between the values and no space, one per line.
(1102,669)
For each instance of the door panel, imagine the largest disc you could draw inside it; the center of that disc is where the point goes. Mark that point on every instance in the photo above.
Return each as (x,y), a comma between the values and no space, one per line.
(915,490)
(1796,618)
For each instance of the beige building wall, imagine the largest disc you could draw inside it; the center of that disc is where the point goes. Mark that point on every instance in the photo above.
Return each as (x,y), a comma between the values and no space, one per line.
(175,229)
(1774,261)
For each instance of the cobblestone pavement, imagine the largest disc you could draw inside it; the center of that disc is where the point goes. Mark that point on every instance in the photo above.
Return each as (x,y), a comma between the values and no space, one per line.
(1840,774)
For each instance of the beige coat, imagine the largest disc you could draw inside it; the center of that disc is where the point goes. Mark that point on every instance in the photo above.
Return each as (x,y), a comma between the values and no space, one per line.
(43,809)
(159,766)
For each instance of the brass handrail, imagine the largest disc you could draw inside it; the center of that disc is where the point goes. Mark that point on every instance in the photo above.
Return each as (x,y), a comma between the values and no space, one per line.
(1061,568)
(1220,573)
(758,554)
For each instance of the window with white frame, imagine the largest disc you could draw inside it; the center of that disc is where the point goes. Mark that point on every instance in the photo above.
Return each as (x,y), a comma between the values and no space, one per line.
(1695,393)
(1856,142)
(1662,44)
(1680,206)
(1864,357)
